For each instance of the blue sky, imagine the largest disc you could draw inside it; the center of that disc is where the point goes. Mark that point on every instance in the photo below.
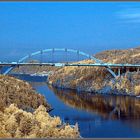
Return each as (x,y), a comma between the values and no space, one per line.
(88,26)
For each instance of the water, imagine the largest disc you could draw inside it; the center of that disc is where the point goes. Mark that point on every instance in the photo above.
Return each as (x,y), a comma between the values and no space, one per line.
(98,116)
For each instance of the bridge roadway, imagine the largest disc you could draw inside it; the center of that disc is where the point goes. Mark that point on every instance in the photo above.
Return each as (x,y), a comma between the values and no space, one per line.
(12,64)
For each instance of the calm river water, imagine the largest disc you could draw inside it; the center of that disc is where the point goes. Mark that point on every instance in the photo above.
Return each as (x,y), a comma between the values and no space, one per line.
(97,115)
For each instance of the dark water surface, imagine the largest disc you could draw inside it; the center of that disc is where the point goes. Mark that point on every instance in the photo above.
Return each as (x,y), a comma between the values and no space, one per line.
(97,115)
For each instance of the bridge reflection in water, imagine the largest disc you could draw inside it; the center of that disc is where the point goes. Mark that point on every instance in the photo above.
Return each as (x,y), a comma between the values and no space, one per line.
(108,106)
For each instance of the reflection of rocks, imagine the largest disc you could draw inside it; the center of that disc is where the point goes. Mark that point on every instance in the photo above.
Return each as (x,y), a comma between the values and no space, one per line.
(115,107)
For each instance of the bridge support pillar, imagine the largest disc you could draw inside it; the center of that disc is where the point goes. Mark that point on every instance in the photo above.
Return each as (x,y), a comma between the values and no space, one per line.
(127,70)
(138,69)
(119,72)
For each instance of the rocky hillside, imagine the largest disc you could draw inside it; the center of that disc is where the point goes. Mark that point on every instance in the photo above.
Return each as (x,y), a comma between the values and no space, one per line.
(16,91)
(95,79)
(24,113)
(131,56)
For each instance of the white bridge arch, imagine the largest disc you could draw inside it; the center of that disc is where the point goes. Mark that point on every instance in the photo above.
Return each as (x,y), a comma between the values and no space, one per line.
(63,50)
(23,59)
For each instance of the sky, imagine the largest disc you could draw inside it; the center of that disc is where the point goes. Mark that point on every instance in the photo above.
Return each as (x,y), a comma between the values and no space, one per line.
(91,27)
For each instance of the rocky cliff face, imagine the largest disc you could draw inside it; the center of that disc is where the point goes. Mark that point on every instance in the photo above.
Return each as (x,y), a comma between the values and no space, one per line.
(96,79)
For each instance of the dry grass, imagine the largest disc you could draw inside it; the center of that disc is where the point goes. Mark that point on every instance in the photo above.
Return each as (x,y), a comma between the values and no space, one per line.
(137,90)
(94,78)
(16,91)
(16,123)
(131,56)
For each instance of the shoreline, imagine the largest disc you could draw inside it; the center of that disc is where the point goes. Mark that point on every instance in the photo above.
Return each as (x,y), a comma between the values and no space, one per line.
(100,91)
(114,92)
(95,92)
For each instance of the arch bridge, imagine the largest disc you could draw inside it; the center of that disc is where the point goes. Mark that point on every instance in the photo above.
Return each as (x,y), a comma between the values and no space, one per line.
(96,62)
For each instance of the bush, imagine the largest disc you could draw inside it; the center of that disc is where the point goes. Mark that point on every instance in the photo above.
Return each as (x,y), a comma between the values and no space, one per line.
(16,91)
(137,90)
(16,123)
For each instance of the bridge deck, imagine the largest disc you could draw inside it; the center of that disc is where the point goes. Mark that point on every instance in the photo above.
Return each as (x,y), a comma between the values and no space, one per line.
(70,64)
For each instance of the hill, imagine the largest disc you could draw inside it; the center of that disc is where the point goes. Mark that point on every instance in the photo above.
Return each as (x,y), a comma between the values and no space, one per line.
(24,113)
(21,93)
(95,79)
